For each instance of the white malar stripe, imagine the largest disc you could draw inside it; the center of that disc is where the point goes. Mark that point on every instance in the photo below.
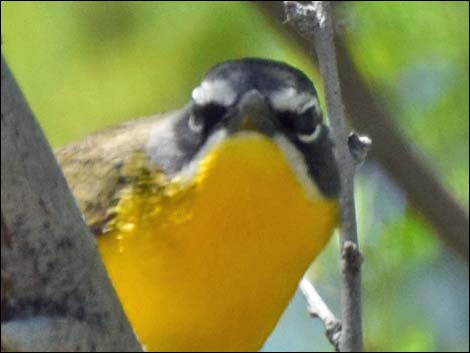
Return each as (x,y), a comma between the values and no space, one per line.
(190,170)
(290,100)
(217,91)
(297,162)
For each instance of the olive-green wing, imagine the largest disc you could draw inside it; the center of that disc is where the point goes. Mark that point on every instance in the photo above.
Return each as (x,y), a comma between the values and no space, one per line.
(95,167)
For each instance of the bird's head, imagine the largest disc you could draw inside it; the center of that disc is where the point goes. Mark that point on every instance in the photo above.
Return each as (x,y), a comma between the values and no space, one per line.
(246,100)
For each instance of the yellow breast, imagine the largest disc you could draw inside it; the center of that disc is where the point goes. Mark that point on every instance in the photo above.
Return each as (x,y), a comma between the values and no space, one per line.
(210,264)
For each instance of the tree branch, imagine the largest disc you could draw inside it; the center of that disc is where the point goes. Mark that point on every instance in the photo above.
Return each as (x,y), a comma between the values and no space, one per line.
(55,293)
(424,190)
(318,308)
(315,22)
(404,162)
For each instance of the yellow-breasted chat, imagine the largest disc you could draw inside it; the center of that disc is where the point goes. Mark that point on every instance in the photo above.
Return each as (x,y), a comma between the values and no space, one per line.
(207,217)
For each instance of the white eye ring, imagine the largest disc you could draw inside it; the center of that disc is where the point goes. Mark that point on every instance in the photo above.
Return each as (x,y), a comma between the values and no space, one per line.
(193,125)
(308,138)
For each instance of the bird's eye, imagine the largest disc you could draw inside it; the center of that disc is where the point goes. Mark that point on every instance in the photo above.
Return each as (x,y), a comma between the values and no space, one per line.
(196,125)
(287,120)
(204,117)
(304,126)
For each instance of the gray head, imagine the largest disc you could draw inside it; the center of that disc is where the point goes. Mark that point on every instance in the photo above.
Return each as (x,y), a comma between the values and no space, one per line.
(269,97)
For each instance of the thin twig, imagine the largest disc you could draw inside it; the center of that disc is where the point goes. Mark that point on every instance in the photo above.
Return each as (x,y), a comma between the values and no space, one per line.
(315,21)
(318,308)
(396,154)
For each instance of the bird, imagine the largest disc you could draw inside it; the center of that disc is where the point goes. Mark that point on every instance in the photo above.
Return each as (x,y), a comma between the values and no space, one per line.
(207,217)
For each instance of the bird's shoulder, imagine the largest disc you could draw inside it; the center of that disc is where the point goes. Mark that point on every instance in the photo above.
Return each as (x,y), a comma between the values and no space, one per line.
(101,165)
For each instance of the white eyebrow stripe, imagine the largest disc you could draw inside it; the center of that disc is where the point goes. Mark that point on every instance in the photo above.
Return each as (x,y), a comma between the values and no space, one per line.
(216,91)
(289,100)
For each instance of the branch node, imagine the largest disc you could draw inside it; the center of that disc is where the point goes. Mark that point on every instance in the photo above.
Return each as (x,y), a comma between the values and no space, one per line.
(359,146)
(351,255)
(306,17)
(333,333)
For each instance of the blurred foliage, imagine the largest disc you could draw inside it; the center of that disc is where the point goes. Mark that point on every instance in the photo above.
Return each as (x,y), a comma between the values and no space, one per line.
(83,66)
(418,58)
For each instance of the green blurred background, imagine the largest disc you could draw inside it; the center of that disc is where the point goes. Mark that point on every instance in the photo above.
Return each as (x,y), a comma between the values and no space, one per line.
(83,66)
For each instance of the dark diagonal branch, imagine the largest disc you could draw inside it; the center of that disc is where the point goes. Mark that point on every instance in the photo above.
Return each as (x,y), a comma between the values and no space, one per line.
(56,295)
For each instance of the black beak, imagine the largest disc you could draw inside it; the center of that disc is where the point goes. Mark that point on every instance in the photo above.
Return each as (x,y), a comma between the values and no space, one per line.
(254,114)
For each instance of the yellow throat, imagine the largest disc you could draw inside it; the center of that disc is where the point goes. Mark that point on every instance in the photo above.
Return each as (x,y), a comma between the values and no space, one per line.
(211,263)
